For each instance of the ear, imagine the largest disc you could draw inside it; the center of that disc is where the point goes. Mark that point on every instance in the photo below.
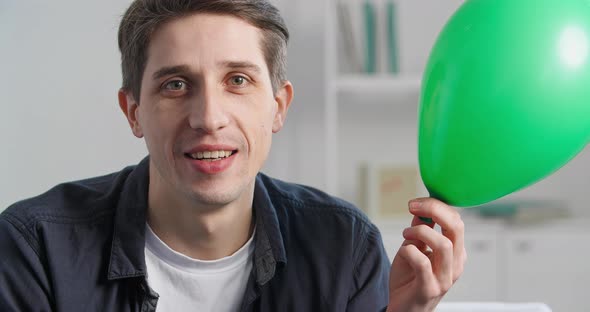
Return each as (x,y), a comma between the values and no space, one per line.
(130,107)
(283,98)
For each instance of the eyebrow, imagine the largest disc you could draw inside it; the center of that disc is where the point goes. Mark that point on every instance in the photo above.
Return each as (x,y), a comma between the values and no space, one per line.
(241,65)
(171,70)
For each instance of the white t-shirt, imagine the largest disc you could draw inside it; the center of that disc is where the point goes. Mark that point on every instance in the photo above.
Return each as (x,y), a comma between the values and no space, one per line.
(187,284)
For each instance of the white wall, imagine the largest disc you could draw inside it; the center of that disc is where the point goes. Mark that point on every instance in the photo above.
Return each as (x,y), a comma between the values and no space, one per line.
(59,82)
(298,148)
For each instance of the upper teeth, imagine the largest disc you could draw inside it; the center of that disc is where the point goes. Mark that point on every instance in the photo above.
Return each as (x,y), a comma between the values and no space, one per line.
(211,154)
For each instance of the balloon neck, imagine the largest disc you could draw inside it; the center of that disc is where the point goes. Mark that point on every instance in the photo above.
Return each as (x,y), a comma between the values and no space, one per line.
(426,220)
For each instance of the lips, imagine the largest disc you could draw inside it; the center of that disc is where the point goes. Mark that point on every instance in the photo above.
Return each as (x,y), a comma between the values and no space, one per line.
(211,159)
(211,155)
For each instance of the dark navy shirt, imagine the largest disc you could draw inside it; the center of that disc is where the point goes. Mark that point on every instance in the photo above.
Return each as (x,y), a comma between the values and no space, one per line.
(80,247)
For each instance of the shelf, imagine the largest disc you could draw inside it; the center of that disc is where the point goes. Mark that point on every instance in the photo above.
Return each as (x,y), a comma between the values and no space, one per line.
(378,91)
(378,83)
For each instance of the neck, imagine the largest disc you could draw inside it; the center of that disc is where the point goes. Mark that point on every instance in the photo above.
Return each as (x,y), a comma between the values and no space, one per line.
(199,230)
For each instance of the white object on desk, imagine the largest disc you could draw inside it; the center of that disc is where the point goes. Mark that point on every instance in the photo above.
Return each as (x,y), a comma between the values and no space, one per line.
(491,307)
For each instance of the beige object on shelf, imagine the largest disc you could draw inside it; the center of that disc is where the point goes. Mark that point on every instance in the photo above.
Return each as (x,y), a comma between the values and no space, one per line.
(385,189)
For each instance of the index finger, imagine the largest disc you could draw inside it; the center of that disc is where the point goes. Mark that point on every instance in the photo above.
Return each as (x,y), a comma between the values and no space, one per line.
(420,245)
(447,217)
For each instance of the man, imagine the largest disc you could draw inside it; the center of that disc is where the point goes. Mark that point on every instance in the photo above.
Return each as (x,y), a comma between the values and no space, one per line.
(195,226)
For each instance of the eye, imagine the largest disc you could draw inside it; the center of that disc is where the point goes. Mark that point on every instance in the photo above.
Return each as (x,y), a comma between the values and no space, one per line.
(237,80)
(175,85)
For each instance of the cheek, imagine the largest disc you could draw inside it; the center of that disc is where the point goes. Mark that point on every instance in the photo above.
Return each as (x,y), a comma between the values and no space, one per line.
(159,129)
(260,143)
(266,137)
(264,132)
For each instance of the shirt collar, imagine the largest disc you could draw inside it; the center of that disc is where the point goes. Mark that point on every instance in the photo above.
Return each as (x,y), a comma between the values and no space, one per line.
(269,248)
(127,250)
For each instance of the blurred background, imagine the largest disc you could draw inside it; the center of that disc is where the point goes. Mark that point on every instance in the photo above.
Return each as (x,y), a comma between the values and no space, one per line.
(356,66)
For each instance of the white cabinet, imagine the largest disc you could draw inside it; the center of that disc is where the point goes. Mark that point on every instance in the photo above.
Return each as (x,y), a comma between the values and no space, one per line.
(548,264)
(545,262)
(481,276)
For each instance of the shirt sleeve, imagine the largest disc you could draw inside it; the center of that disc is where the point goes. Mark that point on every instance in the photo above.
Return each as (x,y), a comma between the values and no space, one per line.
(370,289)
(24,285)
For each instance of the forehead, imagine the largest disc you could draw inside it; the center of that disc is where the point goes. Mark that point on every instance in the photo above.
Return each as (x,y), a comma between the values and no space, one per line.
(203,39)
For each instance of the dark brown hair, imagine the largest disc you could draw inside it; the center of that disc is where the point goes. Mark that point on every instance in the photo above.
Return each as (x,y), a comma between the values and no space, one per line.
(143,17)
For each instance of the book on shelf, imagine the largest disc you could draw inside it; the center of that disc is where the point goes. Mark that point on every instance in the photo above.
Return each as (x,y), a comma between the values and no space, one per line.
(367,36)
(347,40)
(370,23)
(391,38)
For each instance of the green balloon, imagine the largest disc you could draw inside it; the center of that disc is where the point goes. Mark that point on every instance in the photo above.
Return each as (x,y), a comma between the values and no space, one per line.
(505,97)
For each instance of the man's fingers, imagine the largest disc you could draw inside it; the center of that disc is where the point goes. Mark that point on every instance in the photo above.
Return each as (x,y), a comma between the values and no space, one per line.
(419,262)
(442,248)
(451,224)
(419,244)
(446,216)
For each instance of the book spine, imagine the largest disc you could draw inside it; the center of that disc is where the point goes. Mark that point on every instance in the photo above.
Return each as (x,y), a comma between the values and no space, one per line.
(352,59)
(391,38)
(370,37)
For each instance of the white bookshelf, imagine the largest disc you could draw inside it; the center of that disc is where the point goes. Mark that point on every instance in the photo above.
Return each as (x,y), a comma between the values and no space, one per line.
(381,108)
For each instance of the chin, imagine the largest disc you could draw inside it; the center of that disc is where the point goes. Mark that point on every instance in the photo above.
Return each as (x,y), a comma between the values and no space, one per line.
(214,199)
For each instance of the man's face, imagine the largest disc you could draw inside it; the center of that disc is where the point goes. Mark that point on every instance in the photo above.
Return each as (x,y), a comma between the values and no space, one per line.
(207,108)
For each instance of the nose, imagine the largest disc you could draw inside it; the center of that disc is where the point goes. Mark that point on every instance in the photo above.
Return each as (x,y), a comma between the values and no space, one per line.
(207,111)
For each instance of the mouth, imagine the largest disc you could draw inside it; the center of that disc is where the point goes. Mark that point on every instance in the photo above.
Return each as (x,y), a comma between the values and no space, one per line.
(211,156)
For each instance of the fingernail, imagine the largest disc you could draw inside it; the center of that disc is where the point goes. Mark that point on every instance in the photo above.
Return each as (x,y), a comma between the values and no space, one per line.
(415,205)
(405,231)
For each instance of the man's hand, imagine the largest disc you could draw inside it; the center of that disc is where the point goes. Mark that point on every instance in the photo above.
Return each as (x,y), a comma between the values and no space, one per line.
(428,263)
